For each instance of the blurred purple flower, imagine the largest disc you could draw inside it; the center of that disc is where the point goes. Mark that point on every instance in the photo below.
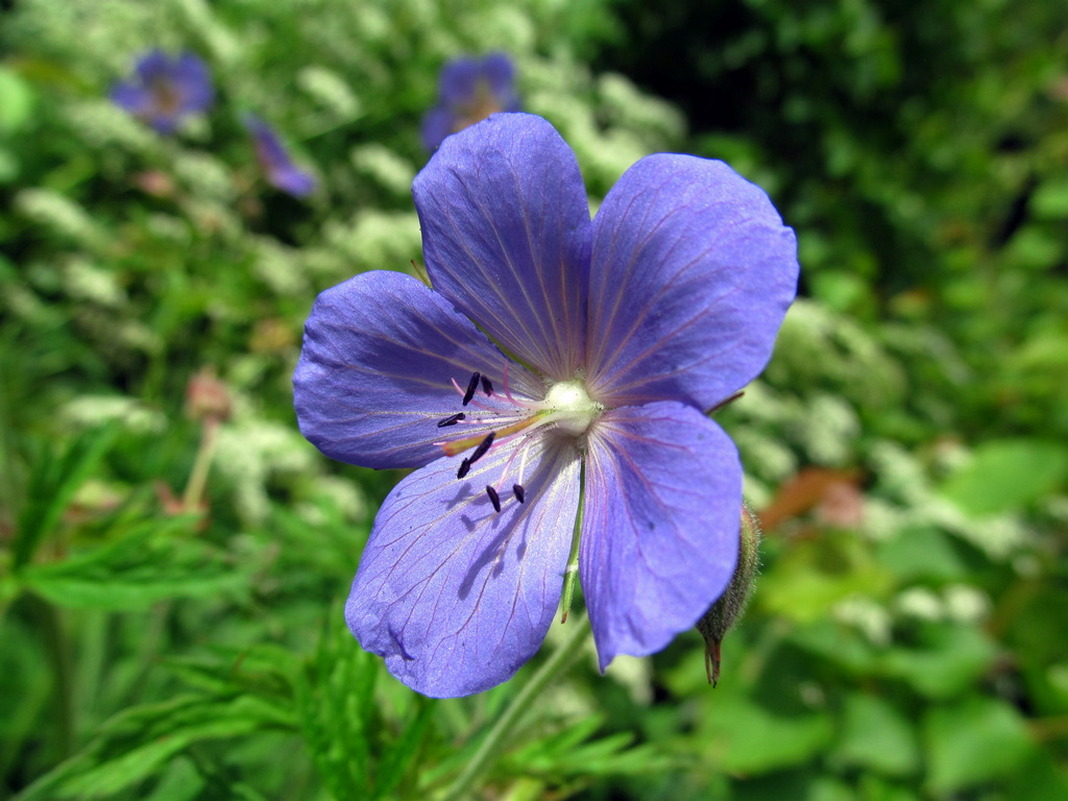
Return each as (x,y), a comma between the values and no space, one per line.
(469,90)
(165,89)
(551,348)
(281,172)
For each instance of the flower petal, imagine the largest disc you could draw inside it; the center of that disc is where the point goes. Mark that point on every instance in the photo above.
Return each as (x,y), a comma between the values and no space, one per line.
(692,272)
(498,70)
(455,595)
(458,81)
(132,97)
(660,525)
(506,234)
(193,78)
(437,124)
(380,353)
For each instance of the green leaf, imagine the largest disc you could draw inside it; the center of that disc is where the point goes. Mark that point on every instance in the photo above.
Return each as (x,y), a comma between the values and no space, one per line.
(875,735)
(336,710)
(16,102)
(973,742)
(815,575)
(153,561)
(136,744)
(1050,200)
(398,758)
(744,737)
(53,480)
(574,750)
(1007,475)
(922,554)
(948,659)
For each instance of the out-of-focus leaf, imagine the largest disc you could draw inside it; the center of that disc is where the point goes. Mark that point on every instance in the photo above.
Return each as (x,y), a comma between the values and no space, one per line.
(744,737)
(1040,779)
(874,735)
(53,480)
(922,554)
(814,575)
(1051,199)
(948,659)
(1007,475)
(137,743)
(972,742)
(336,710)
(574,750)
(837,643)
(398,756)
(153,561)
(16,102)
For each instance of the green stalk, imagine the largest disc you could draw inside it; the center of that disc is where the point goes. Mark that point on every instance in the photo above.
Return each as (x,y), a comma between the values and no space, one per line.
(198,476)
(562,658)
(571,572)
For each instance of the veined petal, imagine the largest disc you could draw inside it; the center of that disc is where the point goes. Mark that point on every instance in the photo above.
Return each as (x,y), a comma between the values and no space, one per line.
(692,272)
(455,595)
(381,351)
(660,525)
(506,232)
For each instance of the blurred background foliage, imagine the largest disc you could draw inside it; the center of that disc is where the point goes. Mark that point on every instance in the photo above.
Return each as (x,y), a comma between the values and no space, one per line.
(906,448)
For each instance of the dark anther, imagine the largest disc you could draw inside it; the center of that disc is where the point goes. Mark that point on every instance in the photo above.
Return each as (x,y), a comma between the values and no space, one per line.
(487,387)
(495,499)
(465,465)
(519,492)
(451,420)
(483,446)
(472,385)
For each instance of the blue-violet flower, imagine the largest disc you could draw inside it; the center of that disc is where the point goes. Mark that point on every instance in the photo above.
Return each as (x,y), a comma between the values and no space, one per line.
(469,90)
(275,160)
(165,89)
(552,351)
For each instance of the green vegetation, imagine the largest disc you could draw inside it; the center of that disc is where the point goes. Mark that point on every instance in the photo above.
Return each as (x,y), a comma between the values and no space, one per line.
(166,640)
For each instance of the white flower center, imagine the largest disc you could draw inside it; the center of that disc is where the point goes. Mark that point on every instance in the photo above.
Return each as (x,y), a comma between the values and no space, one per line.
(570,407)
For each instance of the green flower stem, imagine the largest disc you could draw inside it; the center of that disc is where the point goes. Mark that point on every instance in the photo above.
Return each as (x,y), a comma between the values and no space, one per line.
(562,658)
(198,476)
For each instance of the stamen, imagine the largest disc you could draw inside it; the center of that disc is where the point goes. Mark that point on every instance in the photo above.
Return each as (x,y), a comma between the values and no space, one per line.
(472,385)
(483,446)
(487,387)
(495,499)
(519,492)
(465,465)
(451,420)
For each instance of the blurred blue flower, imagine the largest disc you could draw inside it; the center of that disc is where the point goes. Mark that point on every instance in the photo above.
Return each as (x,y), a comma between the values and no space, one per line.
(470,89)
(281,172)
(165,89)
(551,350)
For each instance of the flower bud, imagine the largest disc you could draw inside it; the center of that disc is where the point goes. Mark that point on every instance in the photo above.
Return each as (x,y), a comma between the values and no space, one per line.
(206,397)
(730,605)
